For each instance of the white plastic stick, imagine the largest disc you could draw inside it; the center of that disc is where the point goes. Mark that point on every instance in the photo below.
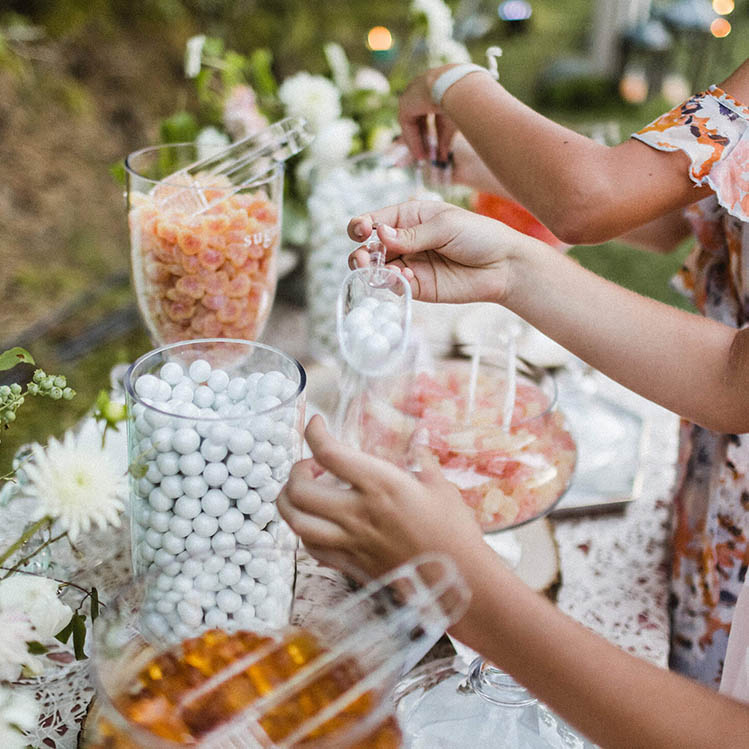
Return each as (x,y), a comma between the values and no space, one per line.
(509,404)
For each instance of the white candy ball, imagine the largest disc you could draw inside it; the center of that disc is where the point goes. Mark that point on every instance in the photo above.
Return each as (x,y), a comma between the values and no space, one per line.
(213,564)
(228,601)
(180,527)
(200,370)
(218,380)
(153,538)
(264,515)
(173,568)
(173,544)
(237,388)
(182,584)
(190,615)
(207,581)
(153,474)
(229,574)
(145,553)
(216,619)
(240,557)
(157,419)
(172,372)
(357,319)
(259,475)
(156,624)
(161,439)
(271,383)
(186,440)
(245,616)
(164,606)
(159,500)
(250,502)
(147,386)
(168,463)
(183,392)
(234,487)
(142,426)
(194,486)
(223,543)
(214,503)
(192,567)
(277,456)
(241,441)
(215,474)
(257,567)
(244,585)
(231,521)
(203,424)
(262,427)
(247,534)
(205,525)
(392,332)
(192,464)
(280,434)
(212,451)
(197,545)
(261,452)
(258,594)
(203,396)
(269,492)
(207,599)
(266,403)
(162,557)
(187,507)
(171,486)
(268,610)
(239,465)
(164,392)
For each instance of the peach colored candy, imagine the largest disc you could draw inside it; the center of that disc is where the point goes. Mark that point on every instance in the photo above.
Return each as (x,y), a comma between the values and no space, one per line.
(207,275)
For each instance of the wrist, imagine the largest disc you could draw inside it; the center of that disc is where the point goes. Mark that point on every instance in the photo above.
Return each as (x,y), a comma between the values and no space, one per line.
(448,76)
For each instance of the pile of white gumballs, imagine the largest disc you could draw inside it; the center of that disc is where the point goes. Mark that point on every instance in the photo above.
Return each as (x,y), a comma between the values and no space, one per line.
(337,196)
(372,333)
(213,453)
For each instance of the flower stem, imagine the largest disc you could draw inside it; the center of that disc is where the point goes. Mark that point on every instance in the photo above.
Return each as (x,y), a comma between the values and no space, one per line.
(25,559)
(24,537)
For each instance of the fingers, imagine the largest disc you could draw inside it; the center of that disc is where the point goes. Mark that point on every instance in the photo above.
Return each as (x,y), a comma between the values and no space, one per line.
(311,528)
(340,559)
(410,213)
(445,132)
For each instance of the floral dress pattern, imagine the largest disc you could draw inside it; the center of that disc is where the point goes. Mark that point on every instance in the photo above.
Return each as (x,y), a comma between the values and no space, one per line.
(711,504)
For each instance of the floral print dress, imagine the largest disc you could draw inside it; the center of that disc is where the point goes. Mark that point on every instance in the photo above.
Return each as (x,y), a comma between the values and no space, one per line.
(711,504)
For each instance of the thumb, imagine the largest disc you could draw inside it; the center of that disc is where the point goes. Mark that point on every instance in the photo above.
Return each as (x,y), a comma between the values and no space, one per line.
(432,234)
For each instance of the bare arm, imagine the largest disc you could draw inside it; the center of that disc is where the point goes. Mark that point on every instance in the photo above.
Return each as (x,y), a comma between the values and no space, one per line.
(389,516)
(583,191)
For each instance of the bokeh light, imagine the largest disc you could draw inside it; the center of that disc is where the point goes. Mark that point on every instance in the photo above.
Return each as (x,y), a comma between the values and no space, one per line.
(514,10)
(723,7)
(720,27)
(633,87)
(379,39)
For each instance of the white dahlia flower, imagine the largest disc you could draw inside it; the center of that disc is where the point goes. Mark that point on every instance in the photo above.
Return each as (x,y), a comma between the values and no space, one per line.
(313,97)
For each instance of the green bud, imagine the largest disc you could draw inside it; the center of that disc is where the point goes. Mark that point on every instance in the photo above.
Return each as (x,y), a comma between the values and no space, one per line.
(68,394)
(48,383)
(9,416)
(55,393)
(15,388)
(39,375)
(4,391)
(20,401)
(60,381)
(33,388)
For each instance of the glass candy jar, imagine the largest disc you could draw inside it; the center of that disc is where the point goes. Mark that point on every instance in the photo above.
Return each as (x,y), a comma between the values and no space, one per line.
(214,428)
(201,272)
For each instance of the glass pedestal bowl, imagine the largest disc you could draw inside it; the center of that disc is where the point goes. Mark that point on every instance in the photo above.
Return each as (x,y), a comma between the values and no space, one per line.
(511,471)
(201,274)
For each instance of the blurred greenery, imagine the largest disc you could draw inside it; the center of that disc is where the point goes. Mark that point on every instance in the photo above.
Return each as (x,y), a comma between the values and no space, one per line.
(295,31)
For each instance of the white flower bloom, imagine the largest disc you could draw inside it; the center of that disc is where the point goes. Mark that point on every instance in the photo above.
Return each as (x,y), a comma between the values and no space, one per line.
(15,658)
(339,65)
(313,97)
(76,481)
(445,50)
(193,55)
(19,712)
(333,143)
(381,137)
(371,80)
(36,597)
(438,15)
(210,141)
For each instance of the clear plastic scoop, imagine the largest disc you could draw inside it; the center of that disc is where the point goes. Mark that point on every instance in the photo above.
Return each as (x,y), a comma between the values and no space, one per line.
(208,181)
(374,315)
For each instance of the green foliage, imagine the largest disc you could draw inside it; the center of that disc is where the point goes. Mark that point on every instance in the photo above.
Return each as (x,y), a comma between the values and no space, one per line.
(181,127)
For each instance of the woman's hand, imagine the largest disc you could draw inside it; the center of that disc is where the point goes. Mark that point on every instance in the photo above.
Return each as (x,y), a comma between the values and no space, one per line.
(446,253)
(415,107)
(385,518)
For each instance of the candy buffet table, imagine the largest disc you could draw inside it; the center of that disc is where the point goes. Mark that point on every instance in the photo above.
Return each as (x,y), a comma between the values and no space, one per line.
(612,566)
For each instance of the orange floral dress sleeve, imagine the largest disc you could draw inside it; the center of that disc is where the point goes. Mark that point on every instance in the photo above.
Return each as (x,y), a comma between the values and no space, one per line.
(712,128)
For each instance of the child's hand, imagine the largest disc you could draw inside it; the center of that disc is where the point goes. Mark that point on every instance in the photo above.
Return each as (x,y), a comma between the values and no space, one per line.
(447,254)
(387,517)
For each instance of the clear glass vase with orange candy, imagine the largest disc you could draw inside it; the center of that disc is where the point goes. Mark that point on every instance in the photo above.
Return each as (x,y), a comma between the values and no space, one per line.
(203,248)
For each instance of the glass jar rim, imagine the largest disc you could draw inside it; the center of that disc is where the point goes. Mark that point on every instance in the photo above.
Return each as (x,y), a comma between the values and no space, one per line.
(131,169)
(130,384)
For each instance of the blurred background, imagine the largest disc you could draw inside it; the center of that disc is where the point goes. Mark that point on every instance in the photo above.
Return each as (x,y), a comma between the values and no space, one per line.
(85,82)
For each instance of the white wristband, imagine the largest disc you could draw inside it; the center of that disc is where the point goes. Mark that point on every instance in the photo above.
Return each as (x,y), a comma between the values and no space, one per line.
(453,75)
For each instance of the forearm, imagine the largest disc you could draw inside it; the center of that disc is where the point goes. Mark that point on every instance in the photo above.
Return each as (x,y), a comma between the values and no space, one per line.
(613,698)
(581,190)
(687,363)
(663,235)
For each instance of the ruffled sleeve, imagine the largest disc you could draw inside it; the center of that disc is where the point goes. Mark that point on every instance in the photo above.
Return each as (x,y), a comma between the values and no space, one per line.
(712,129)
(735,679)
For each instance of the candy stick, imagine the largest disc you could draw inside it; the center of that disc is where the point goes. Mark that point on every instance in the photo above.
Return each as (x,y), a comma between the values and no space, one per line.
(509,404)
(475,360)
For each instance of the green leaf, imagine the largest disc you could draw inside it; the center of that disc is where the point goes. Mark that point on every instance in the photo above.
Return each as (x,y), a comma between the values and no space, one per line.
(117,170)
(36,648)
(64,634)
(94,604)
(180,127)
(79,636)
(13,356)
(263,79)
